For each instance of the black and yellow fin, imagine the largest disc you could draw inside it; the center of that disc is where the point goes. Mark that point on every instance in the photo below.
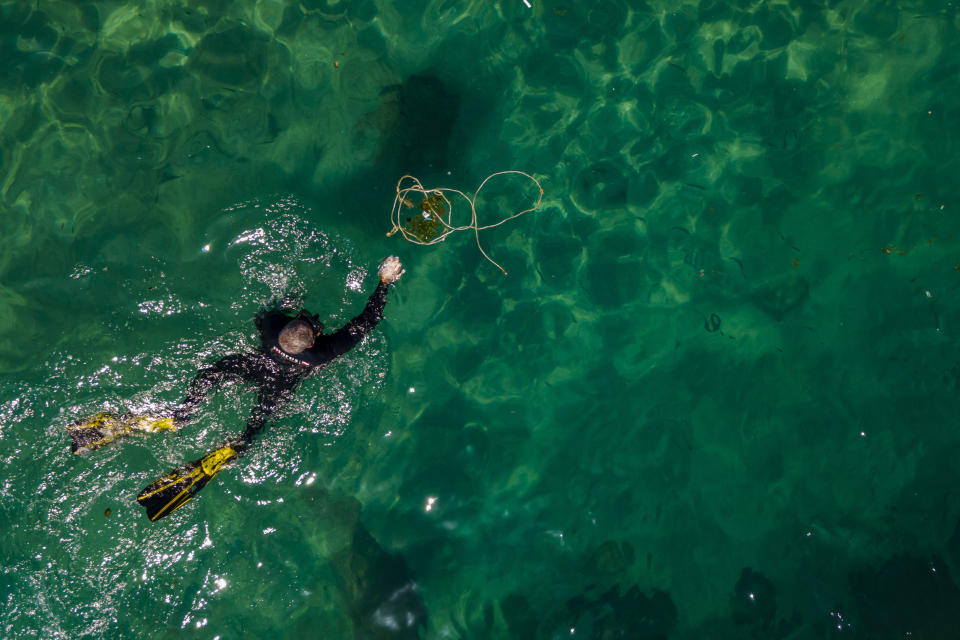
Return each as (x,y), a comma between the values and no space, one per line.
(167,494)
(103,428)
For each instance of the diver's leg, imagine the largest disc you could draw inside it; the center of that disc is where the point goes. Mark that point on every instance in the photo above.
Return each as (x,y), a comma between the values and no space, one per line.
(103,428)
(208,382)
(269,400)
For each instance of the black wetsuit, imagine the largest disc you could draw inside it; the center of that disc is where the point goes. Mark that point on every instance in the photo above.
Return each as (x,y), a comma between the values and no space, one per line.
(274,372)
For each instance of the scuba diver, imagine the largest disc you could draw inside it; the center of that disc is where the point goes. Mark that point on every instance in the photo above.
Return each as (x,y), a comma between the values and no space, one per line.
(292,347)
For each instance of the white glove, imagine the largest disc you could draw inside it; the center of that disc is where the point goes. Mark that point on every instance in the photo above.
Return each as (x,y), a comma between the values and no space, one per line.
(391,269)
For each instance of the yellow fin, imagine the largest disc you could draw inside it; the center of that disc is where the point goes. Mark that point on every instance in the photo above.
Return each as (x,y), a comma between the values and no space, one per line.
(212,462)
(151,424)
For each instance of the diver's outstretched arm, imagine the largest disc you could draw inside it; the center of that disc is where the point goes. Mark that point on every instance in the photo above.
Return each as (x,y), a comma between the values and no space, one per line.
(352,333)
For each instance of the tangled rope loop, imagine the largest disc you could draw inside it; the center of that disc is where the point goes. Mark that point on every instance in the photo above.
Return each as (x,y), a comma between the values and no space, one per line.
(433,222)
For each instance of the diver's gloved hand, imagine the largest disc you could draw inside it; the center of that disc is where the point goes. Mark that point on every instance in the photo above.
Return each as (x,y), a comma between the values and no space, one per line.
(391,270)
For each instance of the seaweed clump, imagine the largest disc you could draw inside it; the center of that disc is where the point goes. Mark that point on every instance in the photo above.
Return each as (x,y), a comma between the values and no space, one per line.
(434,222)
(430,222)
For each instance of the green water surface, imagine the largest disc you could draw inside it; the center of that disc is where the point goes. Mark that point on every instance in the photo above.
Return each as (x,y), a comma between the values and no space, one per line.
(716,396)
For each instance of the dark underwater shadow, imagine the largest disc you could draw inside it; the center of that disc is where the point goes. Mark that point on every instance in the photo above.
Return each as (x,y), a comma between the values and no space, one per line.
(378,591)
(416,127)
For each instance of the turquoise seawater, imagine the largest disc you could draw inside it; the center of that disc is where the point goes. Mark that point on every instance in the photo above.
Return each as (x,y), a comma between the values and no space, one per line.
(715,397)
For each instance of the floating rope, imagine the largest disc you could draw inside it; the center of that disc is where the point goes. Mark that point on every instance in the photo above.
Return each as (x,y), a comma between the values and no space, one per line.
(433,222)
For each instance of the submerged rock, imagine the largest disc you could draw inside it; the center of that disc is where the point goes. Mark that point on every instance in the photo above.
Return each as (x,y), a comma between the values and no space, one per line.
(780,297)
(377,588)
(754,607)
(630,615)
(386,601)
(415,122)
(612,614)
(754,600)
(236,56)
(522,620)
(600,188)
(611,558)
(906,597)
